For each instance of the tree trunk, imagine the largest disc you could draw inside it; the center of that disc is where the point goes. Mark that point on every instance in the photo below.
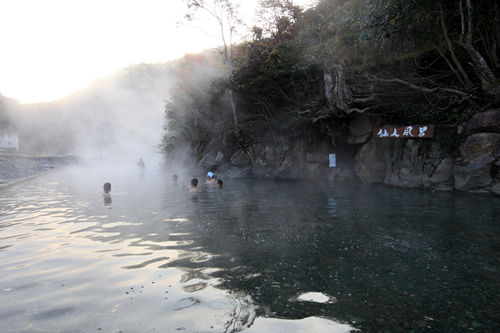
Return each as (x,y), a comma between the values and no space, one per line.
(481,68)
(468,82)
(496,45)
(328,80)
(233,107)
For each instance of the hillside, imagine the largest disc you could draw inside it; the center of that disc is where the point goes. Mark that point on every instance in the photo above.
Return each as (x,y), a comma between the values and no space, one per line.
(118,114)
(316,82)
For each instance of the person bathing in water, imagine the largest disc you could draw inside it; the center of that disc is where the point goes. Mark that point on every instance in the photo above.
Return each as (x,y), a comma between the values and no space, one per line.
(194,186)
(210,179)
(141,163)
(219,184)
(106,194)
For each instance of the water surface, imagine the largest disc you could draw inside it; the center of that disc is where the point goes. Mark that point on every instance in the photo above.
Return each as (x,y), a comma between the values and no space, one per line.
(258,256)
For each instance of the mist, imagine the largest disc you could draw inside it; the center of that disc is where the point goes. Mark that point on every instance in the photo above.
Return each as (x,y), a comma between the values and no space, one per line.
(116,118)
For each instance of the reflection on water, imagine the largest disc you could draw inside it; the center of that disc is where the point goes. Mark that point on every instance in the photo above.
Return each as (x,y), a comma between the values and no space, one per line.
(257,256)
(107,200)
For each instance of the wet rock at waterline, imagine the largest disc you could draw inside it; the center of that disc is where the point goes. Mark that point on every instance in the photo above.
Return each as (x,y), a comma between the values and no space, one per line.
(405,163)
(372,160)
(475,175)
(478,168)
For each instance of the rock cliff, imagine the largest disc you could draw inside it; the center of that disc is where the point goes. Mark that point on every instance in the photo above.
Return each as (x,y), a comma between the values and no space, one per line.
(407,163)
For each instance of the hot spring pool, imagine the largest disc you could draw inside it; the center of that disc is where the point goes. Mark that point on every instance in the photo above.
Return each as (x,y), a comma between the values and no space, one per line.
(258,256)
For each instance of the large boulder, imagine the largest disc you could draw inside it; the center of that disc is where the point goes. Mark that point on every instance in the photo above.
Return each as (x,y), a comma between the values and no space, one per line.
(417,163)
(405,163)
(475,175)
(265,162)
(478,170)
(488,121)
(495,189)
(241,159)
(479,144)
(360,130)
(341,174)
(372,160)
(231,172)
(493,95)
(211,160)
(291,160)
(279,159)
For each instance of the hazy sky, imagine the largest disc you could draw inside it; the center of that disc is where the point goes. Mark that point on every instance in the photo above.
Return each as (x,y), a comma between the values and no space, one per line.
(51,48)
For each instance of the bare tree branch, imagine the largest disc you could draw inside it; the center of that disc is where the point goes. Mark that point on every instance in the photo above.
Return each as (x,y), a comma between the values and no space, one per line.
(450,65)
(468,82)
(422,89)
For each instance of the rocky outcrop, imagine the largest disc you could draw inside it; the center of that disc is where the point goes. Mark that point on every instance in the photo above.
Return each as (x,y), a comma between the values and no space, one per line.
(241,159)
(478,168)
(280,159)
(372,160)
(360,130)
(488,121)
(408,163)
(405,163)
(428,164)
(420,164)
(211,161)
(478,145)
(475,175)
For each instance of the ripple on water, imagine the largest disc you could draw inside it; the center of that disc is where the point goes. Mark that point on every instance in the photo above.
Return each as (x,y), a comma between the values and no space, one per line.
(146,263)
(315,297)
(186,303)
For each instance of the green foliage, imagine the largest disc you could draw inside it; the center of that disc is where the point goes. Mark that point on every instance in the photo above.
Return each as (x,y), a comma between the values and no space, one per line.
(275,74)
(392,55)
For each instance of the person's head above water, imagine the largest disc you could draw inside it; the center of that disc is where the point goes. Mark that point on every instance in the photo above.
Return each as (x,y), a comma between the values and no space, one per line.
(175,178)
(210,174)
(194,182)
(219,183)
(107,187)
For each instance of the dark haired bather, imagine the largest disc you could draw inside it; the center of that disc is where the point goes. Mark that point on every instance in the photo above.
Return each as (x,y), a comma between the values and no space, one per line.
(194,186)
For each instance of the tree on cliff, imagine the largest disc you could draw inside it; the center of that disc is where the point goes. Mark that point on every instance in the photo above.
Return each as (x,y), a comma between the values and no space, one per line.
(383,57)
(226,15)
(413,61)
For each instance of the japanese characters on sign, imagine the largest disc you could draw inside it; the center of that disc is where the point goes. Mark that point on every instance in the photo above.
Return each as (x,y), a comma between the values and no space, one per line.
(404,132)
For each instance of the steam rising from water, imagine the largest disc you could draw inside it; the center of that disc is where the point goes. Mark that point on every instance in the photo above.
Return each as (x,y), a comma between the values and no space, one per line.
(118,118)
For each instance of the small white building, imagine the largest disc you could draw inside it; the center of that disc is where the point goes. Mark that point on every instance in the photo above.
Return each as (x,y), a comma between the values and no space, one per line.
(9,141)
